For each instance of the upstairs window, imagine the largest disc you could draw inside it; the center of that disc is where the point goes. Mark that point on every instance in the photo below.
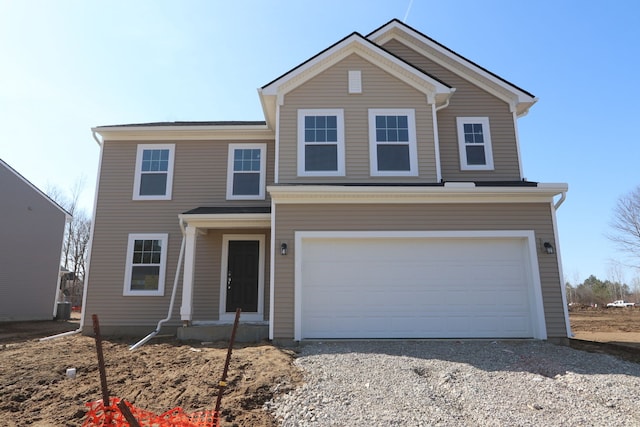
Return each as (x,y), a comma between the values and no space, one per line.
(474,142)
(146,263)
(246,171)
(392,142)
(320,142)
(154,172)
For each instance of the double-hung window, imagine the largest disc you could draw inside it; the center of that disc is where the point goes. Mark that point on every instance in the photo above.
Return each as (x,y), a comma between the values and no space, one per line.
(474,143)
(154,172)
(246,171)
(321,142)
(392,142)
(146,264)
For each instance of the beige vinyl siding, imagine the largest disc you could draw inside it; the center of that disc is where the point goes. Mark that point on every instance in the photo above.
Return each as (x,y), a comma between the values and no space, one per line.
(413,217)
(468,101)
(379,90)
(199,179)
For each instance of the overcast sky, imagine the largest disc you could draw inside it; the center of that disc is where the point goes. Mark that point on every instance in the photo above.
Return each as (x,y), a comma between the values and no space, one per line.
(67,66)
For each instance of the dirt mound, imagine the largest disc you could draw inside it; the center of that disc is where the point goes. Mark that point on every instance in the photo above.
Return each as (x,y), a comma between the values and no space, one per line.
(161,375)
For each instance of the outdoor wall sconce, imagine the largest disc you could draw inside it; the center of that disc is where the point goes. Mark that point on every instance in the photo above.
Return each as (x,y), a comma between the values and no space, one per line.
(283,249)
(548,248)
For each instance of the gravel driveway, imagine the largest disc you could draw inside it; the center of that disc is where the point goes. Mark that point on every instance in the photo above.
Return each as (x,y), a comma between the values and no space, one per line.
(459,383)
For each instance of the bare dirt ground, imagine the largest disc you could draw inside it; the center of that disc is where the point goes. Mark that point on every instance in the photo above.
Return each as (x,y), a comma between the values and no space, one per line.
(166,373)
(610,325)
(159,376)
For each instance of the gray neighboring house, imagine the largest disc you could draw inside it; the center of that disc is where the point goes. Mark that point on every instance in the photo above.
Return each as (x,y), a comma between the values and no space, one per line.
(31,236)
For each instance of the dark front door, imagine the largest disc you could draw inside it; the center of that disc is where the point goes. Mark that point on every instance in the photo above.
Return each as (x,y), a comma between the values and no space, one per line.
(242,276)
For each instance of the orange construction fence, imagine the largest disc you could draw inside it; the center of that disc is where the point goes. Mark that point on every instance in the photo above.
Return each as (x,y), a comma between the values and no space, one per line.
(101,416)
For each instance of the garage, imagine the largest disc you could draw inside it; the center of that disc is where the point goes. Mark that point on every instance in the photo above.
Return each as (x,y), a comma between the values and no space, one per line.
(417,285)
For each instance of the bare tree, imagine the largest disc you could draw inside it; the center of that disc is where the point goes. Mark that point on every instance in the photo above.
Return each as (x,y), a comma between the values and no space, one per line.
(616,274)
(626,225)
(76,238)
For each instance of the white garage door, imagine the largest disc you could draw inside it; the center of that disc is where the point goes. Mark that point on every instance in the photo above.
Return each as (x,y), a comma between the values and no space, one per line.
(415,288)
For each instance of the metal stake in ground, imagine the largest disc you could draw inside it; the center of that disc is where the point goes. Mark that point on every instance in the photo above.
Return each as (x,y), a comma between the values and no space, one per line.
(101,366)
(222,384)
(133,422)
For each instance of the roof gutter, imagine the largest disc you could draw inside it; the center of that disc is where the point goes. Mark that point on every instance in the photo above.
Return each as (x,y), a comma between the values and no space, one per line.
(94,133)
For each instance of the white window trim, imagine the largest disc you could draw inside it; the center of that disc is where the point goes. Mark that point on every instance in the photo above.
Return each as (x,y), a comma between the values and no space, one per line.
(164,238)
(224,262)
(373,142)
(138,172)
(488,151)
(230,171)
(339,113)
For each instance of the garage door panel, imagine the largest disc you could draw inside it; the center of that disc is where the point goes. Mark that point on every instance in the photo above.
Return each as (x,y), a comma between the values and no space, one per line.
(415,288)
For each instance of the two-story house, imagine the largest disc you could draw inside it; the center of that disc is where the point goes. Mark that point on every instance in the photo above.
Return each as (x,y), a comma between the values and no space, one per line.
(32,233)
(382,197)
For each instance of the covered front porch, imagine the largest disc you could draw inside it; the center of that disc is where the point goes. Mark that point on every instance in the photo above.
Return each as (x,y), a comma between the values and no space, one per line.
(226,254)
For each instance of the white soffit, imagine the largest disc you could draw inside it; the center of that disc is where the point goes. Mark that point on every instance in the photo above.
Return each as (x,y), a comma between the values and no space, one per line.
(189,133)
(227,220)
(315,194)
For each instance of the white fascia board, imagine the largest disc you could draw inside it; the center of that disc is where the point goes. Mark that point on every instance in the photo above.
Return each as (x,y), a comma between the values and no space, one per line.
(170,133)
(318,194)
(372,53)
(465,69)
(227,220)
(269,108)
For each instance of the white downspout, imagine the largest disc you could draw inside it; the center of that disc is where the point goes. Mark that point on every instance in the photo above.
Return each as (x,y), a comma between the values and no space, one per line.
(563,291)
(436,141)
(173,293)
(563,196)
(86,276)
(436,137)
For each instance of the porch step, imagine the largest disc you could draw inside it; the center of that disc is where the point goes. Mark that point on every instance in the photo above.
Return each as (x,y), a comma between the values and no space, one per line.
(247,332)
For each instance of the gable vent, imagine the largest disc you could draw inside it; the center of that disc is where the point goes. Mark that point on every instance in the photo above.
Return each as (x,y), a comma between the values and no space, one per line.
(355,81)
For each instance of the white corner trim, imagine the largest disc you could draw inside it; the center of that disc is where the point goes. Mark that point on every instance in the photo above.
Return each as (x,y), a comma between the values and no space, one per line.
(272,272)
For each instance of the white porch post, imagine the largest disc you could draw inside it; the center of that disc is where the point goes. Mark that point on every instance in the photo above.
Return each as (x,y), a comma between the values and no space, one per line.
(186,309)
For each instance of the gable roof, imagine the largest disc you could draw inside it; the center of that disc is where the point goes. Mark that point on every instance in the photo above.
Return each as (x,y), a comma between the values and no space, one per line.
(519,99)
(273,92)
(34,188)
